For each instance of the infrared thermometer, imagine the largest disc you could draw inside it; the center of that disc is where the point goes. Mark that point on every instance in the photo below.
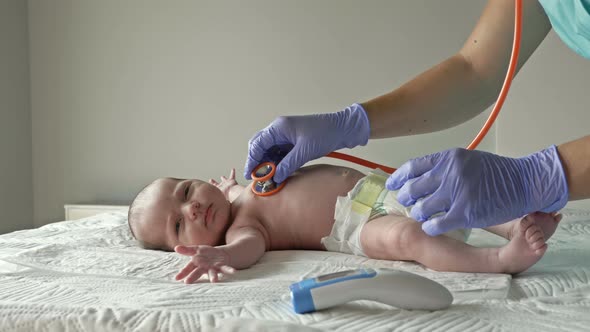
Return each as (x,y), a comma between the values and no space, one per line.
(400,289)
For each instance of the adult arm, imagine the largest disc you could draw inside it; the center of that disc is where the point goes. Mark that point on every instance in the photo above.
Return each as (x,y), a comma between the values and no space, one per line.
(448,94)
(464,85)
(575,158)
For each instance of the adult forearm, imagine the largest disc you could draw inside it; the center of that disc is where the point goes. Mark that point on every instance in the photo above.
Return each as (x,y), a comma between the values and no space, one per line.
(575,158)
(441,97)
(464,85)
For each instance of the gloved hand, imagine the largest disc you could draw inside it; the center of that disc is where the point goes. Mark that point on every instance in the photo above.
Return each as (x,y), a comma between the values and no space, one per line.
(304,138)
(475,189)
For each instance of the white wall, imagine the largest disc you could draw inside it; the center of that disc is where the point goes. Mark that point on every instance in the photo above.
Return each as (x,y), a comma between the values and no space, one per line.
(16,197)
(127,91)
(549,103)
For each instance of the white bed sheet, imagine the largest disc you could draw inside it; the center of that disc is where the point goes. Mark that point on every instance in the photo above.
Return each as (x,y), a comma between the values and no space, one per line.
(89,275)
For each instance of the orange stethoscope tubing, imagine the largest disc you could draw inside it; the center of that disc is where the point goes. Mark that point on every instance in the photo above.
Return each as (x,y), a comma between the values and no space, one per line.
(495,111)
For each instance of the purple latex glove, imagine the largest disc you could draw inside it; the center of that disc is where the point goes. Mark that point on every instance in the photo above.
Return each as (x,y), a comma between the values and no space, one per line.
(475,189)
(294,140)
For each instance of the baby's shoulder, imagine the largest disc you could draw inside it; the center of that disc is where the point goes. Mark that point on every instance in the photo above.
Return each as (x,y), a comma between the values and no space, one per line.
(245,224)
(245,215)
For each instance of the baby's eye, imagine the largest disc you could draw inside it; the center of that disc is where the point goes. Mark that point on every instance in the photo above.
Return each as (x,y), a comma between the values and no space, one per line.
(186,191)
(177,227)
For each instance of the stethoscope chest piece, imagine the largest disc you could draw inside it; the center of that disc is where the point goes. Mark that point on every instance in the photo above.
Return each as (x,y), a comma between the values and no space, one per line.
(263,184)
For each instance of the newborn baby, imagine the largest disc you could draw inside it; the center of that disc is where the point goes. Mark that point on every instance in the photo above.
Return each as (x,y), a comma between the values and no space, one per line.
(225,226)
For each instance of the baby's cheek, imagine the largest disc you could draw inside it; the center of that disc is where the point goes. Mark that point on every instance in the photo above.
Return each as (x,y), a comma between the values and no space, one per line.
(192,238)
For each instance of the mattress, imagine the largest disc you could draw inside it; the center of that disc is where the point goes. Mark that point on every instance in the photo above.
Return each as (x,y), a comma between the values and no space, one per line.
(89,275)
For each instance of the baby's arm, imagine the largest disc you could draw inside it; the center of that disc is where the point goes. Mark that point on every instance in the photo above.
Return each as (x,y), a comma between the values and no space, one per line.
(229,186)
(245,247)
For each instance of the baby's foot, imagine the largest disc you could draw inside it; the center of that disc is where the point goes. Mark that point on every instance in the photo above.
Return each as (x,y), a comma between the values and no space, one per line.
(527,244)
(547,221)
(550,227)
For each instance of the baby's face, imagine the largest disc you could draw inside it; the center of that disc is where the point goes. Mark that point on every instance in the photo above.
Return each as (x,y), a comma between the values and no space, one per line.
(183,212)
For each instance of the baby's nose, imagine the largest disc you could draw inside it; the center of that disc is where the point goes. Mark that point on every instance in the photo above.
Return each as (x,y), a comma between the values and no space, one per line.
(192,210)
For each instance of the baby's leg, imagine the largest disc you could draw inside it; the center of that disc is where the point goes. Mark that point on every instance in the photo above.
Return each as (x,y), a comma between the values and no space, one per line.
(399,238)
(546,221)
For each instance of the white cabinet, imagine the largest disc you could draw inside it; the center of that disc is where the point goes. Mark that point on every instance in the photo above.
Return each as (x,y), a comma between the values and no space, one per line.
(77,211)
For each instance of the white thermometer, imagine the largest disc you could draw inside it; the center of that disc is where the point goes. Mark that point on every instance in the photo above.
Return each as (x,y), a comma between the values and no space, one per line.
(400,289)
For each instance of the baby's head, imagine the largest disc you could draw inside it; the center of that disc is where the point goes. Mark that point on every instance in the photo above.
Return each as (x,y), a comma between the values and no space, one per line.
(170,212)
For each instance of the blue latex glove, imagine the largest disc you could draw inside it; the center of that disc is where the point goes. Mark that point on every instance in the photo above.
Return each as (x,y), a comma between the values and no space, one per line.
(295,140)
(475,189)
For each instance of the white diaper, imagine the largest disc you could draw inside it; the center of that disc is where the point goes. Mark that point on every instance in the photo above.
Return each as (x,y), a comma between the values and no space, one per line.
(368,200)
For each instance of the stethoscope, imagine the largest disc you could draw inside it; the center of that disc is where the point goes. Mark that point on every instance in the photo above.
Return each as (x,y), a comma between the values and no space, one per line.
(262,175)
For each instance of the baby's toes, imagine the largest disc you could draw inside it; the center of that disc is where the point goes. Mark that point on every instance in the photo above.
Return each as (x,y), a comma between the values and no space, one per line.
(537,244)
(534,237)
(541,250)
(525,224)
(533,232)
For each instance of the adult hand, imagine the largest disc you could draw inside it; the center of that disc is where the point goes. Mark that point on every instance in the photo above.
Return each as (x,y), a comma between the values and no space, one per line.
(204,260)
(303,138)
(460,188)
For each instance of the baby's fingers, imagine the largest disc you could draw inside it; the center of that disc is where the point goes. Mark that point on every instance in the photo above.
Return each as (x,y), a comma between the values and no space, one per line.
(195,275)
(184,250)
(227,269)
(213,275)
(213,182)
(185,271)
(232,174)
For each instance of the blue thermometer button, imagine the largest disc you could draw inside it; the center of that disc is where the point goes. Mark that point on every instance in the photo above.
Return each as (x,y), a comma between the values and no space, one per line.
(301,298)
(301,291)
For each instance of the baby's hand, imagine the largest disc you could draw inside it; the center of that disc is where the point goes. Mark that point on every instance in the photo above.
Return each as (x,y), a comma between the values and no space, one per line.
(205,260)
(226,183)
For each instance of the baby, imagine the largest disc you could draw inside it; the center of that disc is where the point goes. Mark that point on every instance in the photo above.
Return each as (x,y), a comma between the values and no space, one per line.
(225,226)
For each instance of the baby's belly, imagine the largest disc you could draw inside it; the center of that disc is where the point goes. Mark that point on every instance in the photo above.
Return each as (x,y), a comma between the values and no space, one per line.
(303,212)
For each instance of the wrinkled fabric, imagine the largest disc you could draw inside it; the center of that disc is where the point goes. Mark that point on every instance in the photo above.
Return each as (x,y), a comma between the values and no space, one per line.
(571,21)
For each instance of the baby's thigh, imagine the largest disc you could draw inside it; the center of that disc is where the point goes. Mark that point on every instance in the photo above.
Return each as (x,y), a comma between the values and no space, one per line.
(392,237)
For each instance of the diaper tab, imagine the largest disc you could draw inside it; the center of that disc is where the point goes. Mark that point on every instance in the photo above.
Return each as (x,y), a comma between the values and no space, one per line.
(368,190)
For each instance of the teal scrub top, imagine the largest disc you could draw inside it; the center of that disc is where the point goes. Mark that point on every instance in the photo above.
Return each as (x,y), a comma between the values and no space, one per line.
(571,21)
